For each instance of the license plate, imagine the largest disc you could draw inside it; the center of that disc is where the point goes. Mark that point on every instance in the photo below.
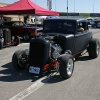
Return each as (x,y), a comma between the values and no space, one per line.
(34,70)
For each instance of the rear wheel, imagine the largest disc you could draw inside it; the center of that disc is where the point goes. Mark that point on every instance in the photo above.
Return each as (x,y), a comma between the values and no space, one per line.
(16,60)
(16,41)
(66,67)
(94,47)
(26,37)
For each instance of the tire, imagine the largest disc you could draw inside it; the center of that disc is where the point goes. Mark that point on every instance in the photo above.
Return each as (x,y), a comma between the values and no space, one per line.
(15,60)
(1,44)
(66,67)
(26,37)
(17,40)
(94,47)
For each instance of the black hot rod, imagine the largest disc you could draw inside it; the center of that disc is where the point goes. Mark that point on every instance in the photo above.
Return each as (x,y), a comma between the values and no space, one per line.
(60,42)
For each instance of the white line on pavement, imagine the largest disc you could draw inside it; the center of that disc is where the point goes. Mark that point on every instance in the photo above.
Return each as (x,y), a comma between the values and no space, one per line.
(33,87)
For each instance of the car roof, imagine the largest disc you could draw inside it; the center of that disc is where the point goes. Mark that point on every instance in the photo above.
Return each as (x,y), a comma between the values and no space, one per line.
(73,19)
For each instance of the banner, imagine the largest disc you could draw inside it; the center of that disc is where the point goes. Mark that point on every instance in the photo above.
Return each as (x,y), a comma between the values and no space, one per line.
(49,4)
(94,14)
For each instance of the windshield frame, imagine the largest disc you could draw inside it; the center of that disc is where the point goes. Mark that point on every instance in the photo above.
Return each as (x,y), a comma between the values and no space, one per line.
(54,28)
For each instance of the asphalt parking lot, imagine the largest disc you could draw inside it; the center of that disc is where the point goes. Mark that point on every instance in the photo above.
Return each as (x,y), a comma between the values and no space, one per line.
(17,85)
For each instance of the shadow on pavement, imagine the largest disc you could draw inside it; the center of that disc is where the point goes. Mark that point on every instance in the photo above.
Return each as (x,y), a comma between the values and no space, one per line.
(83,58)
(9,74)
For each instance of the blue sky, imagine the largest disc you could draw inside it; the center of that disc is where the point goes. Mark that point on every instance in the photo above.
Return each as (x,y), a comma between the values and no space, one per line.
(81,6)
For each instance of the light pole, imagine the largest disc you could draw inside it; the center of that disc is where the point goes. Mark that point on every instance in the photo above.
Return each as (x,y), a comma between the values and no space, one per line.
(93,7)
(55,5)
(67,8)
(74,6)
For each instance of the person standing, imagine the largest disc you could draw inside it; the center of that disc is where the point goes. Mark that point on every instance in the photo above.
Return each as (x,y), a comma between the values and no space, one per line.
(27,21)
(1,20)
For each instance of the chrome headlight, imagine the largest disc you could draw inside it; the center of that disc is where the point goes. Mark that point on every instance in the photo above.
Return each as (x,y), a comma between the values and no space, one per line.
(27,52)
(56,50)
(55,54)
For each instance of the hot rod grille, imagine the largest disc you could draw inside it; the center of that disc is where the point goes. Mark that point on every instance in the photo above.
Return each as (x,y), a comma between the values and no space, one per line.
(36,57)
(7,35)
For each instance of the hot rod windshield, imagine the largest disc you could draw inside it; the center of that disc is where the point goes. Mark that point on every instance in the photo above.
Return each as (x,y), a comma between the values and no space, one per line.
(59,26)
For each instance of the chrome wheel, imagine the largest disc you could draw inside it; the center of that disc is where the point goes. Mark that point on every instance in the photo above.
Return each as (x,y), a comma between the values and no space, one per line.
(97,49)
(70,66)
(66,67)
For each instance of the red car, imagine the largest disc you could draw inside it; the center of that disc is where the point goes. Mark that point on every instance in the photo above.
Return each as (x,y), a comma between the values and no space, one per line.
(19,28)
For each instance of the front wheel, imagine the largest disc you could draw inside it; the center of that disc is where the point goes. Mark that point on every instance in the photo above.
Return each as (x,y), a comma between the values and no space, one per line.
(94,47)
(16,60)
(66,67)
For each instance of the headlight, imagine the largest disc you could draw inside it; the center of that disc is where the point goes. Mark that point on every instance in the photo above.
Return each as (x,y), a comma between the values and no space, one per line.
(56,50)
(55,54)
(27,52)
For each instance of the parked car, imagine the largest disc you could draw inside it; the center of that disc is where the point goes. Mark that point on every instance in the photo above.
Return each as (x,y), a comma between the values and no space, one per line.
(6,39)
(57,47)
(94,24)
(20,29)
(98,25)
